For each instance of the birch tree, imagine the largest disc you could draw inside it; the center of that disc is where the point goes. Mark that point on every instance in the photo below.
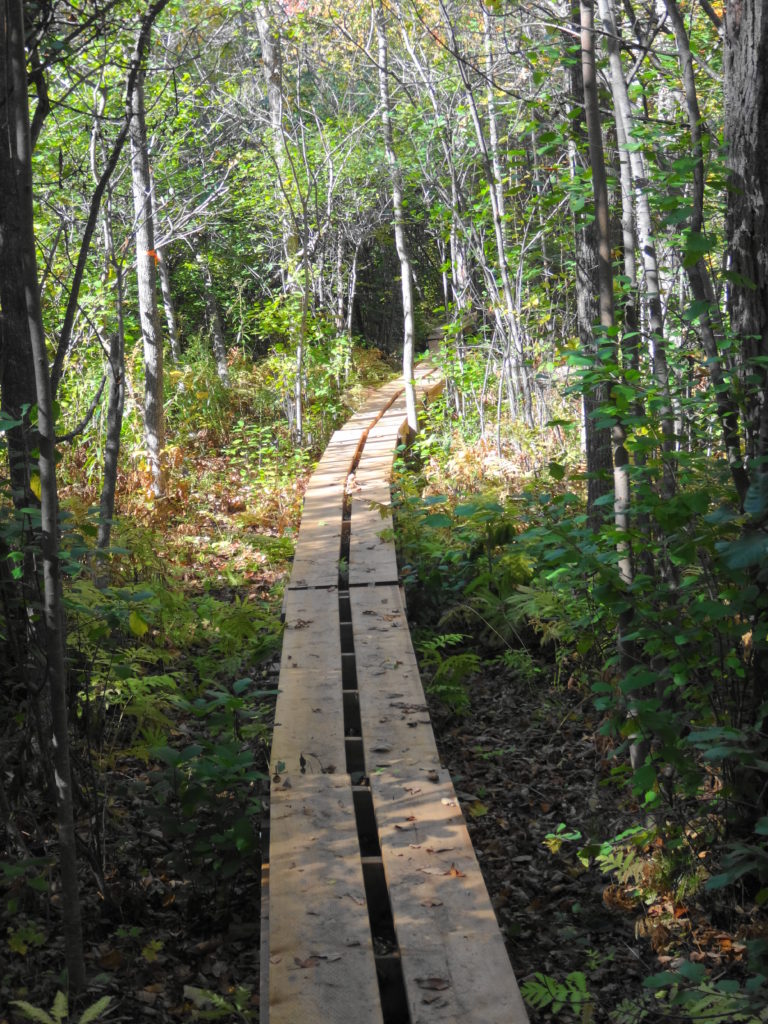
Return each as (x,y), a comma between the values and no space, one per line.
(398,209)
(146,272)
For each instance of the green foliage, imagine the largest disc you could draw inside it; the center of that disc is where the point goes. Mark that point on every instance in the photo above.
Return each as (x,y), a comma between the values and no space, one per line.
(207,798)
(543,992)
(687,994)
(59,1012)
(449,672)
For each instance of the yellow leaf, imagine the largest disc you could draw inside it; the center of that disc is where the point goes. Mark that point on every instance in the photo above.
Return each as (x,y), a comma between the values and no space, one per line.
(34,485)
(137,625)
(152,949)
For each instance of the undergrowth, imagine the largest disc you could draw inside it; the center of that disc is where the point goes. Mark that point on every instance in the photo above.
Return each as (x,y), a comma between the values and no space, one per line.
(506,570)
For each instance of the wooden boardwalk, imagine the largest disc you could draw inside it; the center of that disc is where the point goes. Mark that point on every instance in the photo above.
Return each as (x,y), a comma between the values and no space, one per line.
(374,907)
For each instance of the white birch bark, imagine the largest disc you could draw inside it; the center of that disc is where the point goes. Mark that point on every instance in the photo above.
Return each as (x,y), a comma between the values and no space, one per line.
(146,270)
(406,275)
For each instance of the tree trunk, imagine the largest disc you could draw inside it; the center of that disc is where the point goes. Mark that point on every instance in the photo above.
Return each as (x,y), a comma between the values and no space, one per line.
(165,287)
(115,407)
(406,275)
(645,239)
(515,350)
(710,322)
(621,481)
(146,269)
(272,66)
(597,440)
(218,341)
(746,143)
(17,149)
(17,371)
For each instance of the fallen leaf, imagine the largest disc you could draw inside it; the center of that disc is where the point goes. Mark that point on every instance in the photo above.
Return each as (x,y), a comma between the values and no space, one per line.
(431,903)
(454,872)
(311,961)
(433,984)
(111,961)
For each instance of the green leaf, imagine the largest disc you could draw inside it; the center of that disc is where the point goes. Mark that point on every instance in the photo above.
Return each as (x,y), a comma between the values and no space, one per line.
(465,511)
(697,244)
(750,549)
(95,1011)
(692,972)
(556,471)
(136,624)
(756,501)
(678,216)
(657,981)
(438,521)
(33,1012)
(644,778)
(60,1008)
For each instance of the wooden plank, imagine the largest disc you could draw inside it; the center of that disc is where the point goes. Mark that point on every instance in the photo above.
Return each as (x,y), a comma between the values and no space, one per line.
(264,942)
(309,716)
(442,913)
(316,560)
(397,732)
(321,965)
(454,960)
(373,559)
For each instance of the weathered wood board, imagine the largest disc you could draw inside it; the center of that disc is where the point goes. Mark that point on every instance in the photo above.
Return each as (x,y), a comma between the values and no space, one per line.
(309,716)
(441,909)
(397,732)
(454,960)
(321,965)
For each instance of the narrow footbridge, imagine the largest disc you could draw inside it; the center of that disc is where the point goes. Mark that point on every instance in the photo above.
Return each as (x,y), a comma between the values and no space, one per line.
(374,907)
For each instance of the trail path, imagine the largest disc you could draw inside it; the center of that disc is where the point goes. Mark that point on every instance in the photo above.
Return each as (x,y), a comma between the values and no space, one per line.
(374,910)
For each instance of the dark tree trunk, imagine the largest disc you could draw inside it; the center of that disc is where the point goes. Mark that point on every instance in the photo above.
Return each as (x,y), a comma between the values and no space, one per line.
(597,440)
(218,341)
(17,372)
(746,142)
(16,161)
(698,274)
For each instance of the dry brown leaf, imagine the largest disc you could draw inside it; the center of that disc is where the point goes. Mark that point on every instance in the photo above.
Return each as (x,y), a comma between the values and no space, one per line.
(311,961)
(433,984)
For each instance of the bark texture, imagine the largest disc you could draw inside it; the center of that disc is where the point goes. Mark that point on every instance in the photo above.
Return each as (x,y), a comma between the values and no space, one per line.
(17,147)
(146,270)
(746,142)
(406,274)
(17,372)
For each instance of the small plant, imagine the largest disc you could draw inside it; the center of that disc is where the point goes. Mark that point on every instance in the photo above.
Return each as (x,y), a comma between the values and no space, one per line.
(59,1012)
(449,671)
(206,793)
(545,992)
